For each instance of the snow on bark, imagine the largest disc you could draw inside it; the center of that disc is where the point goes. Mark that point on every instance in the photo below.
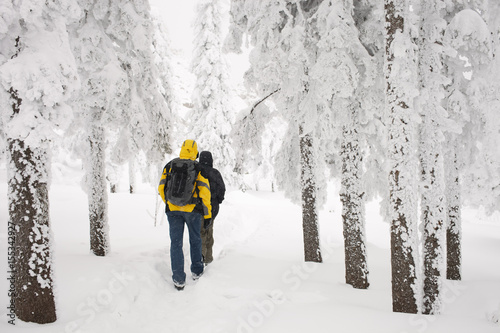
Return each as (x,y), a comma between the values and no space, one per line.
(312,250)
(353,207)
(284,41)
(38,71)
(97,191)
(102,82)
(432,187)
(29,212)
(344,76)
(453,200)
(399,73)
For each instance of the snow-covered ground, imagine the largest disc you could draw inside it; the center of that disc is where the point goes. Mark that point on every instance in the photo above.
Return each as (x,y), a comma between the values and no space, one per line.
(258,281)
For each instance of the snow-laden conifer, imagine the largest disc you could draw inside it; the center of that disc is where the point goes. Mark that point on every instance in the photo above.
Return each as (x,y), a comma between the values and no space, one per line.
(476,35)
(431,138)
(38,76)
(143,124)
(369,20)
(284,38)
(212,117)
(468,41)
(400,74)
(342,74)
(103,82)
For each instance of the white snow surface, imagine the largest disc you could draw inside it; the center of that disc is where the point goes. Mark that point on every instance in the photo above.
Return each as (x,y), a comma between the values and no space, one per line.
(258,281)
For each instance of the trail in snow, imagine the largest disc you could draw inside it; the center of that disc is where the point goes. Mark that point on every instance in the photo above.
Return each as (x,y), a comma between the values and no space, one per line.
(258,281)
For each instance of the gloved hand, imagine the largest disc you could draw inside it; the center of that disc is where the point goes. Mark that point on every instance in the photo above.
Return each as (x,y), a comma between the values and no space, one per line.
(207,223)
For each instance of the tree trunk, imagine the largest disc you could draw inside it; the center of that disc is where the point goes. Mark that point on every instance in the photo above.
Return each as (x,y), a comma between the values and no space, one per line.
(402,197)
(353,213)
(312,251)
(454,227)
(433,216)
(29,213)
(431,156)
(131,175)
(98,197)
(159,204)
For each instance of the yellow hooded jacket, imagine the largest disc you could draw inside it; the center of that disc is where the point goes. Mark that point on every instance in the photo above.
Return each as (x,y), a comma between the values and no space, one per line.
(189,150)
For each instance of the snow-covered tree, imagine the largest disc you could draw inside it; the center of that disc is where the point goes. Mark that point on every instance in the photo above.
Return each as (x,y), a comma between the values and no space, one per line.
(369,20)
(353,210)
(103,81)
(283,36)
(161,119)
(431,131)
(38,75)
(212,116)
(246,134)
(400,74)
(341,75)
(479,39)
(145,112)
(468,40)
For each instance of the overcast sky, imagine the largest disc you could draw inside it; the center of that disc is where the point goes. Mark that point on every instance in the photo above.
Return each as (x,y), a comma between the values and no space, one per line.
(179,17)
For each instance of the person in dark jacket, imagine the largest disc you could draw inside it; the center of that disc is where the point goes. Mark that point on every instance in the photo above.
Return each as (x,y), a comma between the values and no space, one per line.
(217,191)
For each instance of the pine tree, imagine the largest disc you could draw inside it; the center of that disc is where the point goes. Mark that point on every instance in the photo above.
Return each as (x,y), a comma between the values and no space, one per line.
(481,181)
(369,21)
(38,95)
(353,212)
(433,201)
(342,76)
(131,29)
(161,119)
(453,160)
(212,118)
(469,36)
(103,81)
(399,95)
(282,58)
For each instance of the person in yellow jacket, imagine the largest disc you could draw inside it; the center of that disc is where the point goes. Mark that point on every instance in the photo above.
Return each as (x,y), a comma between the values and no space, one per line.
(192,214)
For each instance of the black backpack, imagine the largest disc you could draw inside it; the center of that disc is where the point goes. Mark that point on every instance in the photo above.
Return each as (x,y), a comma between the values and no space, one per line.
(181,182)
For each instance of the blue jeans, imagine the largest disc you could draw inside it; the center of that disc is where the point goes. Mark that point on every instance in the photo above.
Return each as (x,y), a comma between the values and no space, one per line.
(176,221)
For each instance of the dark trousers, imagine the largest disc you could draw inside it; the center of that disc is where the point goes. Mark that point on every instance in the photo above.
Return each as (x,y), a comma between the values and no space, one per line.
(176,221)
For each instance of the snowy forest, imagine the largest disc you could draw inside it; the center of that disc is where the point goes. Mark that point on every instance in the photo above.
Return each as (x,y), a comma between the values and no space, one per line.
(369,112)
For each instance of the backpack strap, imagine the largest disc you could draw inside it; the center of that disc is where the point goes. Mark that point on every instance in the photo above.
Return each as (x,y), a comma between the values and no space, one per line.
(196,200)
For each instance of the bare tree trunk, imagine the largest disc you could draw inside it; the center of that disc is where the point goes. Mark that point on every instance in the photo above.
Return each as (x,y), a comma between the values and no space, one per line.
(98,197)
(402,200)
(356,267)
(454,227)
(312,251)
(29,213)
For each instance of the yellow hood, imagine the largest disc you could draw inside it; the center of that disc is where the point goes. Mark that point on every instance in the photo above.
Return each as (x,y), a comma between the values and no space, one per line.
(189,150)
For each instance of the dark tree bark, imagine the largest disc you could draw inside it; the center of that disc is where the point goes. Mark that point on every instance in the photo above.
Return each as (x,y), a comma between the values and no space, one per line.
(29,213)
(433,202)
(356,267)
(454,227)
(97,196)
(312,251)
(403,224)
(131,175)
